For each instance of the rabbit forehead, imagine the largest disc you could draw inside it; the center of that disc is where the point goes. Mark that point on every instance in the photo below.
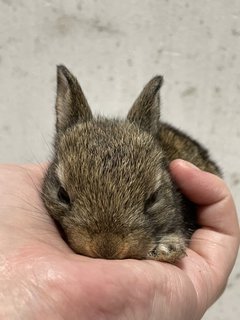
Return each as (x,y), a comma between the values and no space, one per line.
(103,134)
(109,151)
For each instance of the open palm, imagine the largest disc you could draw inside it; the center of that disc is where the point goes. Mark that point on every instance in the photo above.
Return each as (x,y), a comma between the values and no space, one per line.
(41,278)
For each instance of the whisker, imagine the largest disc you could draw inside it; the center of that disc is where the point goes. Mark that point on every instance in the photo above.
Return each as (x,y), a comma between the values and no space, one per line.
(27,210)
(49,146)
(40,209)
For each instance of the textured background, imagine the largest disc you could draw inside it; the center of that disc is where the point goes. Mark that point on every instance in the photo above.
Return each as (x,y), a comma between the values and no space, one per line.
(114,47)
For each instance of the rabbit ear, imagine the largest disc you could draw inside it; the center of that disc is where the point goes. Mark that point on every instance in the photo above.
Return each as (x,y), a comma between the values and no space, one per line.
(145,111)
(71,104)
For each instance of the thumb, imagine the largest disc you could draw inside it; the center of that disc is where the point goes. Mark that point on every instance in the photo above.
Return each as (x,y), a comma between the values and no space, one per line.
(217,240)
(216,211)
(210,193)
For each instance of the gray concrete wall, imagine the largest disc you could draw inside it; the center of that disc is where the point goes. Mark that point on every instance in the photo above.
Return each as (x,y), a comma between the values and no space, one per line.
(114,47)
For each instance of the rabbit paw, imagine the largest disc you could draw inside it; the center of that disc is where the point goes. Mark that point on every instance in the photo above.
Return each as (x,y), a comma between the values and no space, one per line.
(171,248)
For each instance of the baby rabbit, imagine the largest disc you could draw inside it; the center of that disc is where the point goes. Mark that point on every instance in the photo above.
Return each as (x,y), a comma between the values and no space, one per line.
(108,186)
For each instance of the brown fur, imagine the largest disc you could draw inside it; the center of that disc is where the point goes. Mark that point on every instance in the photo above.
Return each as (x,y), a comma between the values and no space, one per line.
(108,186)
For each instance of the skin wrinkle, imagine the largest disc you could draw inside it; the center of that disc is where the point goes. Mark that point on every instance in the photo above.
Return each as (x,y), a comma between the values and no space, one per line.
(201,272)
(39,282)
(113,303)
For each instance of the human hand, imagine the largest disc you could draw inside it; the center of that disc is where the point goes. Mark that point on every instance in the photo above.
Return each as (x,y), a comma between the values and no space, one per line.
(41,278)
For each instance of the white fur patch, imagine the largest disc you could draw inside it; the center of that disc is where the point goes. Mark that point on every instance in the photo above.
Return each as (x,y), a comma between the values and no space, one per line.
(60,174)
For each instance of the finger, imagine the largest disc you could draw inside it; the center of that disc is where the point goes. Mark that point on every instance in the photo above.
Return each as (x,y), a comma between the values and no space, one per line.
(209,192)
(217,241)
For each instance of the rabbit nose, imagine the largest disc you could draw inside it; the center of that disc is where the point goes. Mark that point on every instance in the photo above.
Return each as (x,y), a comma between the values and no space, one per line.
(109,247)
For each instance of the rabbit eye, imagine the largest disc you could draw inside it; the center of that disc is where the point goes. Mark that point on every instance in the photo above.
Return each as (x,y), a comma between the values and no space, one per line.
(151,200)
(63,196)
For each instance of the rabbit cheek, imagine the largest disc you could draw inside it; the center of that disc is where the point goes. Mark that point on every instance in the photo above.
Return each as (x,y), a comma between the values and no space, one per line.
(79,241)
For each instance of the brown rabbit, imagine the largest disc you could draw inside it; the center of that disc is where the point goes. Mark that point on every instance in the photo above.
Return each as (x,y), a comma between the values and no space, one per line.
(108,186)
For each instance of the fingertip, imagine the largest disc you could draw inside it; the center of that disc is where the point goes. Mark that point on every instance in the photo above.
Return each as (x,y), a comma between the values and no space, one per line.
(180,164)
(199,186)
